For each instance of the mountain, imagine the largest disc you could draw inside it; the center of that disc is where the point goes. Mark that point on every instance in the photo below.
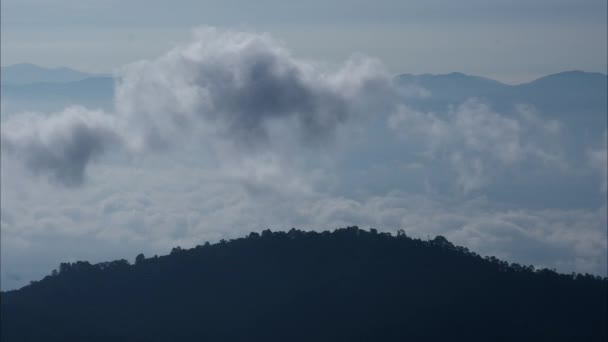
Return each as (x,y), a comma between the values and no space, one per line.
(568,80)
(562,93)
(577,100)
(26,73)
(454,87)
(345,285)
(575,97)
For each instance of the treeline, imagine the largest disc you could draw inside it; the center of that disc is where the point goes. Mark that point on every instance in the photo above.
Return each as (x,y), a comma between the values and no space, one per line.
(346,285)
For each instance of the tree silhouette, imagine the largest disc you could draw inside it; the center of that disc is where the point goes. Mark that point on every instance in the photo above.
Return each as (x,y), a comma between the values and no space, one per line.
(346,285)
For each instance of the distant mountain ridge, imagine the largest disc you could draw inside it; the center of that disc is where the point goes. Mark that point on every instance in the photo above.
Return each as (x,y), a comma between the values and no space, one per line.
(345,285)
(27,73)
(567,76)
(576,98)
(458,86)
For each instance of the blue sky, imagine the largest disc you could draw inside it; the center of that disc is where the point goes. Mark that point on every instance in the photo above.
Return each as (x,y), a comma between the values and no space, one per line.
(512,41)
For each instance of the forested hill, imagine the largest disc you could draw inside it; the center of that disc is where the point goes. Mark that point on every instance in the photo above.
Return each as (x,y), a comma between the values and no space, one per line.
(346,285)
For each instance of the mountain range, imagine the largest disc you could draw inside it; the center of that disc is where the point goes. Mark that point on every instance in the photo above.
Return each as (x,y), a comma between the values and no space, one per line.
(27,87)
(27,73)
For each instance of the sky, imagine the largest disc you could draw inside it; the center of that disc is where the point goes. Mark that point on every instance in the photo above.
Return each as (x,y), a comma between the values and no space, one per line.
(513,41)
(231,117)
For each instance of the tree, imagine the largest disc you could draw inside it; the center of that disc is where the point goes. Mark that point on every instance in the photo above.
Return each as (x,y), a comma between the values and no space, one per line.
(139,259)
(64,267)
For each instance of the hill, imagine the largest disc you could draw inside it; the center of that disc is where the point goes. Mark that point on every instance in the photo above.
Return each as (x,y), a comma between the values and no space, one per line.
(346,285)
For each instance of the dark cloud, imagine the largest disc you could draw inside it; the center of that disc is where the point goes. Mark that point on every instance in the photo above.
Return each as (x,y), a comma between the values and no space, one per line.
(228,84)
(62,144)
(238,82)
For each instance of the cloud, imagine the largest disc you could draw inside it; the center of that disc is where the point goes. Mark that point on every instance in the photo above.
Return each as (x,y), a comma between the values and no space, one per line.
(598,159)
(234,86)
(128,210)
(477,141)
(62,144)
(236,83)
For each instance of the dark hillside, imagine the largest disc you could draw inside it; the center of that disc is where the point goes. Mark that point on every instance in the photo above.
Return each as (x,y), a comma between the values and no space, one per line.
(347,285)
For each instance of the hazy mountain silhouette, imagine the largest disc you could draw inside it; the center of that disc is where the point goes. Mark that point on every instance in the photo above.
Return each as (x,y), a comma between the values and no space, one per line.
(578,98)
(27,73)
(456,86)
(574,96)
(348,285)
(561,94)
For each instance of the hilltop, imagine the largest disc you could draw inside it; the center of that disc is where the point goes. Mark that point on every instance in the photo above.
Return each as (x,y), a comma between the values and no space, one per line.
(346,285)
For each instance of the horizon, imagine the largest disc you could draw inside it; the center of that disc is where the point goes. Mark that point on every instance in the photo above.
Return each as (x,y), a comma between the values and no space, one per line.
(111,74)
(511,41)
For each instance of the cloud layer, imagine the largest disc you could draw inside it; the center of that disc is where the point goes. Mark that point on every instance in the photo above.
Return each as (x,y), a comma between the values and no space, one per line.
(233,85)
(477,141)
(230,133)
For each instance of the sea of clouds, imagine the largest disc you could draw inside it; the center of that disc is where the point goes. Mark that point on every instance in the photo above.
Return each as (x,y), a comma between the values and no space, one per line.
(231,133)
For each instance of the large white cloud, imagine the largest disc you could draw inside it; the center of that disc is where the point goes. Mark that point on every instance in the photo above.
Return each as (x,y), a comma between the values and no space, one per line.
(232,85)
